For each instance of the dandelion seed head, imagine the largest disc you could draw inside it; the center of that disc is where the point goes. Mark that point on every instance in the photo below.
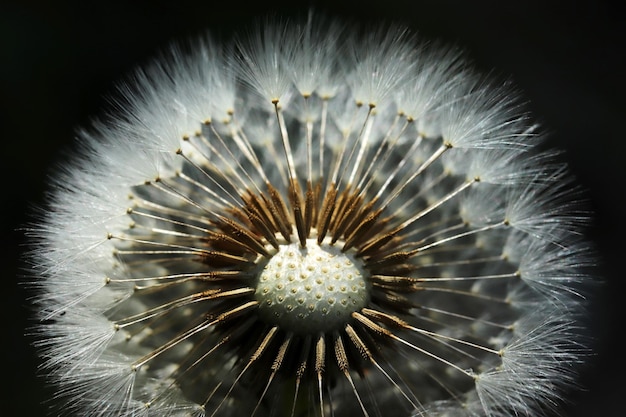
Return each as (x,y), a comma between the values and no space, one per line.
(311,221)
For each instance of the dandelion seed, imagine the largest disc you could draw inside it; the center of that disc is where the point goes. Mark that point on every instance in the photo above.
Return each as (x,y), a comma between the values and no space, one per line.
(311,223)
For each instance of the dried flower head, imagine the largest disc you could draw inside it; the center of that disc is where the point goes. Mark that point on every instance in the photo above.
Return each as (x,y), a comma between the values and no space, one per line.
(310,222)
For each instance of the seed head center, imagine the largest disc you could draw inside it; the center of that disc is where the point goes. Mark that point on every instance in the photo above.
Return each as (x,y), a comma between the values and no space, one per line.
(312,289)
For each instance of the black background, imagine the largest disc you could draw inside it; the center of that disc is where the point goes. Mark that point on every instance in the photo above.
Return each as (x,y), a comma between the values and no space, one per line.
(58,60)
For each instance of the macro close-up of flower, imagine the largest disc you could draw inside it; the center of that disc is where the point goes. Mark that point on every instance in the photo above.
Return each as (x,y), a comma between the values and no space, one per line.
(311,219)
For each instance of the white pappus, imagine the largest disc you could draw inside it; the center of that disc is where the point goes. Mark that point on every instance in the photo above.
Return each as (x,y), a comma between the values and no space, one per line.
(312,220)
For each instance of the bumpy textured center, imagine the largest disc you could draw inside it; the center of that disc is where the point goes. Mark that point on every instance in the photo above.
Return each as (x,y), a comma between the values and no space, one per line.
(310,290)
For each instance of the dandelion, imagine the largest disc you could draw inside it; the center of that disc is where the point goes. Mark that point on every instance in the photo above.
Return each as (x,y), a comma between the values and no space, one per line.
(311,222)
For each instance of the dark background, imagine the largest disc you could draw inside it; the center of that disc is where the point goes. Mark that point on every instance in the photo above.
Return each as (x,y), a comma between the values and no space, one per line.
(58,60)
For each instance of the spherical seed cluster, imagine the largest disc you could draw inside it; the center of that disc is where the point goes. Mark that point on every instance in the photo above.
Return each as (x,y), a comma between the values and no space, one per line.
(163,262)
(310,290)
